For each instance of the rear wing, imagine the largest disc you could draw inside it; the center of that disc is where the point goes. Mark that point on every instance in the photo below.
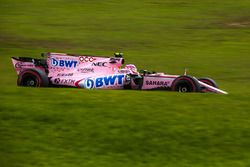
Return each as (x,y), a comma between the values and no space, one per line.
(22,63)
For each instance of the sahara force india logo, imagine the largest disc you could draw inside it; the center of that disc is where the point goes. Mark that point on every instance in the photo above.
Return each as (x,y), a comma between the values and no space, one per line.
(63,63)
(103,81)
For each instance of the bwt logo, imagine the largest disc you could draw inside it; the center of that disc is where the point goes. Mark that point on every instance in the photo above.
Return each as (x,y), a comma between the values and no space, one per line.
(103,81)
(63,63)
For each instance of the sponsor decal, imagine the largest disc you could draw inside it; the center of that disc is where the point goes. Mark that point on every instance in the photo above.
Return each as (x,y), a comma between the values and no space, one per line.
(100,64)
(63,63)
(124,71)
(85,70)
(103,81)
(158,83)
(84,59)
(57,80)
(89,83)
(64,81)
(21,65)
(65,75)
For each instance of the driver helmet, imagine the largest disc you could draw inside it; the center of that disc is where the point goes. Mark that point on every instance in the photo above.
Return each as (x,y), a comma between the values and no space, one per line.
(131,67)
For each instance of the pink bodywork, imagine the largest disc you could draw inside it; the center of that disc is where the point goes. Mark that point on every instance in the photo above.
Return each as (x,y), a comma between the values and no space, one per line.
(75,71)
(98,72)
(158,80)
(80,69)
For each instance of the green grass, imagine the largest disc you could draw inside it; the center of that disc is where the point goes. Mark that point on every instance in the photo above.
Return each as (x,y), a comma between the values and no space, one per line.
(75,127)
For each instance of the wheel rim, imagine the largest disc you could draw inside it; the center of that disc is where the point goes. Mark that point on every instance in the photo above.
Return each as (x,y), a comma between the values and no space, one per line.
(30,81)
(184,87)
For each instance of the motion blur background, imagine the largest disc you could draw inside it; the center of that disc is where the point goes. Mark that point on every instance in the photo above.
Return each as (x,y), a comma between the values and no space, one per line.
(75,127)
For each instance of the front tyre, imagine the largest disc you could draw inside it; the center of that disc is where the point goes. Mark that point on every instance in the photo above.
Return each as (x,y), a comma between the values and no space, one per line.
(208,81)
(185,84)
(33,78)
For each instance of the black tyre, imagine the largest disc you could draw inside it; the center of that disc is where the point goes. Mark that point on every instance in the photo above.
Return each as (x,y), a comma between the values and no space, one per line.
(185,84)
(209,81)
(33,78)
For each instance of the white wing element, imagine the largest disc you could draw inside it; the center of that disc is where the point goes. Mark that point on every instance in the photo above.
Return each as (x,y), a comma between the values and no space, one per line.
(212,89)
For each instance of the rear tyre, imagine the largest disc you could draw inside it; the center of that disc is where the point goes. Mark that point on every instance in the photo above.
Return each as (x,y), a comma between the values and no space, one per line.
(33,78)
(185,84)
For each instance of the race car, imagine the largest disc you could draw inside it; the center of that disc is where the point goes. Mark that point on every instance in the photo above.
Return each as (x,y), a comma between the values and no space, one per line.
(100,72)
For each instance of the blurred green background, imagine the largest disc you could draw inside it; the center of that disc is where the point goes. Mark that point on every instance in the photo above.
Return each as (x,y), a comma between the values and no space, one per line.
(75,127)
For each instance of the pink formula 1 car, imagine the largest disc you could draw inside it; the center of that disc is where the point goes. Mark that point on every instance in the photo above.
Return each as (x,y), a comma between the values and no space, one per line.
(94,72)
